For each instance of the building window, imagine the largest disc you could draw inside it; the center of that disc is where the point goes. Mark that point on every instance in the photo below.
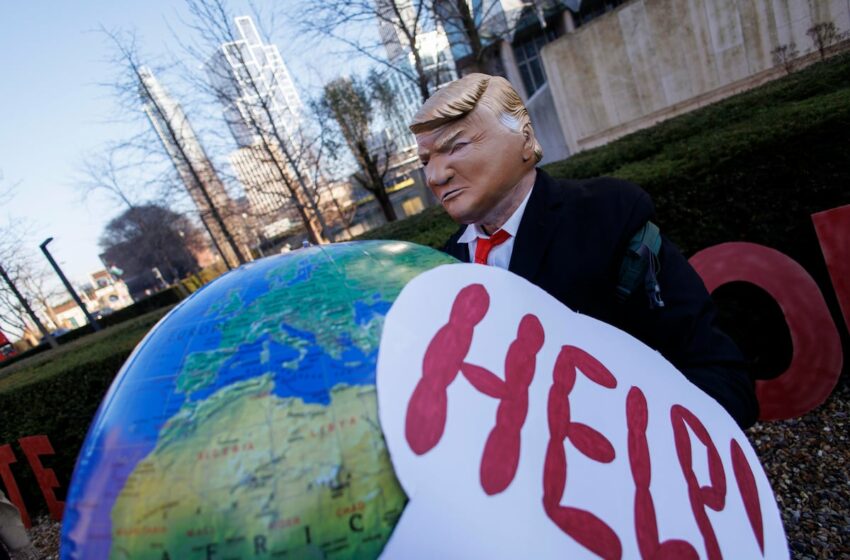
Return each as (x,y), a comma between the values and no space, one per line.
(527,53)
(412,206)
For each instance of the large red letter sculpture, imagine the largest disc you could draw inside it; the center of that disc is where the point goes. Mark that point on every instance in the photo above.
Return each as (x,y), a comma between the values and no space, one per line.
(7,457)
(833,229)
(816,362)
(34,446)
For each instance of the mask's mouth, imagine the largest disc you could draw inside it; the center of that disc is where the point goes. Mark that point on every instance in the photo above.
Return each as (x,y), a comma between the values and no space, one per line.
(451,194)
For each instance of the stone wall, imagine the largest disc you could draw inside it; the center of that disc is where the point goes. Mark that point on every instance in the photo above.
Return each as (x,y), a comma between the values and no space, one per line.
(650,60)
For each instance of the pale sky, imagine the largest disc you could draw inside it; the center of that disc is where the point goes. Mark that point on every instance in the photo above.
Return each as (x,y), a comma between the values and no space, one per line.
(53,110)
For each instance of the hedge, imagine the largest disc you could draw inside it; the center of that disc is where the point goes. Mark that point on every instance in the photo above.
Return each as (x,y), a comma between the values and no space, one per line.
(431,227)
(57,393)
(165,298)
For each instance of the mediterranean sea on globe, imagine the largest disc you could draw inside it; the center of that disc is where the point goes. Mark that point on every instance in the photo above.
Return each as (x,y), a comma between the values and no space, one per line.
(245,424)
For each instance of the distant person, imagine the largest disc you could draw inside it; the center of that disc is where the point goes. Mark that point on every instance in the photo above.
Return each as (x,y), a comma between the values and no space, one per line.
(14,541)
(569,237)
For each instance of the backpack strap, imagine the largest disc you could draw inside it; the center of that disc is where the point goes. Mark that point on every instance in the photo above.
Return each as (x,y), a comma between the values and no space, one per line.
(641,266)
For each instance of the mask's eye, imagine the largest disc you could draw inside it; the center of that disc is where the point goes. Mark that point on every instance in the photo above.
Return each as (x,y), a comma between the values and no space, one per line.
(458,146)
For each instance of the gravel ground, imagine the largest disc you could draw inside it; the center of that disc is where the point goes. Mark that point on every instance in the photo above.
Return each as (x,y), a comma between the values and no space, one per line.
(45,537)
(806,459)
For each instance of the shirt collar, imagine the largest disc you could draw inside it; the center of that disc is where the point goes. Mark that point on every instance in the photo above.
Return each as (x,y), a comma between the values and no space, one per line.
(473,232)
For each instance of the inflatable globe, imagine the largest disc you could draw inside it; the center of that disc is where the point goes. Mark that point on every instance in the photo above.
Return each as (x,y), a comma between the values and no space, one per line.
(245,424)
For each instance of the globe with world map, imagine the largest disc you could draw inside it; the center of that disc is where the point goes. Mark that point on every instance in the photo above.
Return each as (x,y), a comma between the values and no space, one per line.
(245,424)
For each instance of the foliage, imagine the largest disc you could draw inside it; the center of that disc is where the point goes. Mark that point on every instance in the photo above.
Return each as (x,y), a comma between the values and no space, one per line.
(149,236)
(784,55)
(57,394)
(196,281)
(431,227)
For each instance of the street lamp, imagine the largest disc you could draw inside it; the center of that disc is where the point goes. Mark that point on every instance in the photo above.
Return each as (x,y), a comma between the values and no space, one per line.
(92,321)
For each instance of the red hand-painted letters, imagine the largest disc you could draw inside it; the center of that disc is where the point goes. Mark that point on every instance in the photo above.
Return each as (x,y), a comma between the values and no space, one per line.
(425,424)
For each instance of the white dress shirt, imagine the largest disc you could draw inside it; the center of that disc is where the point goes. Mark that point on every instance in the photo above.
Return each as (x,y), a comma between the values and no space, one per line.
(500,255)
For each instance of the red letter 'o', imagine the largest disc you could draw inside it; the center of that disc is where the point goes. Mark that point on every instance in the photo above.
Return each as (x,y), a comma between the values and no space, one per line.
(817,358)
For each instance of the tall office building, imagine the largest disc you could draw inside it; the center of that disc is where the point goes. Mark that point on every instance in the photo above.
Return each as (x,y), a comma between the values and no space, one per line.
(193,166)
(248,74)
(263,111)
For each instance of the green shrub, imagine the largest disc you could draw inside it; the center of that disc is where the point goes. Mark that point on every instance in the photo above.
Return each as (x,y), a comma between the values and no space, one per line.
(57,393)
(813,82)
(159,300)
(431,227)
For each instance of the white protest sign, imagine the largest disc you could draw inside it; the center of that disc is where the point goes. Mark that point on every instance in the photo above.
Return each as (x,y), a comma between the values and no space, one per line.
(520,429)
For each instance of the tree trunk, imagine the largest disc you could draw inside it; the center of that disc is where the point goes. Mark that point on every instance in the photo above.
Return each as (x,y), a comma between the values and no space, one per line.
(472,33)
(386,205)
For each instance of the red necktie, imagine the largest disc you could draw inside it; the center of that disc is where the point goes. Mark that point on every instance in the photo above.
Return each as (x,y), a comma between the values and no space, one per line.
(485,244)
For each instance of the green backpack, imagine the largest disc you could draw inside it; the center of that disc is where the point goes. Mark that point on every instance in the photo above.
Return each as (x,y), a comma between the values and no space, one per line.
(641,266)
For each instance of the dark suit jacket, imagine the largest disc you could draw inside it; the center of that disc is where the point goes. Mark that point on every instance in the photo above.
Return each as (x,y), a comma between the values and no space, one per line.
(571,241)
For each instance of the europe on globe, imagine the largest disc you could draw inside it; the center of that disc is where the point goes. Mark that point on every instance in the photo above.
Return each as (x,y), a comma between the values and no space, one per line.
(245,424)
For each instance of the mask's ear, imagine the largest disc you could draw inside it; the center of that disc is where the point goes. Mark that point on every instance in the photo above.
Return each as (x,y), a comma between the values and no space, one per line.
(528,142)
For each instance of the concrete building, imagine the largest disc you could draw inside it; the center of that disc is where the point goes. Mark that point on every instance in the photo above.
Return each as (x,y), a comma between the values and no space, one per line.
(650,60)
(193,166)
(106,293)
(103,295)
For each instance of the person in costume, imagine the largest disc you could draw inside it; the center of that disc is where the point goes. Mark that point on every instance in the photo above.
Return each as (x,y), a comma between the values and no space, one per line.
(572,238)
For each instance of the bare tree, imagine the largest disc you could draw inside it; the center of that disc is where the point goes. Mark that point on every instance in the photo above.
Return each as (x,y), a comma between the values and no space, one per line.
(247,79)
(823,35)
(475,30)
(401,24)
(138,91)
(347,102)
(785,56)
(22,273)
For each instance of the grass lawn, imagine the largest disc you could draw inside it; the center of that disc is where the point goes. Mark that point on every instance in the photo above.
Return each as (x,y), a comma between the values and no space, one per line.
(121,338)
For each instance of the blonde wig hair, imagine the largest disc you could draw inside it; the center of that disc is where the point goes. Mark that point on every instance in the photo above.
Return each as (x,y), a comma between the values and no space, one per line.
(460,97)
